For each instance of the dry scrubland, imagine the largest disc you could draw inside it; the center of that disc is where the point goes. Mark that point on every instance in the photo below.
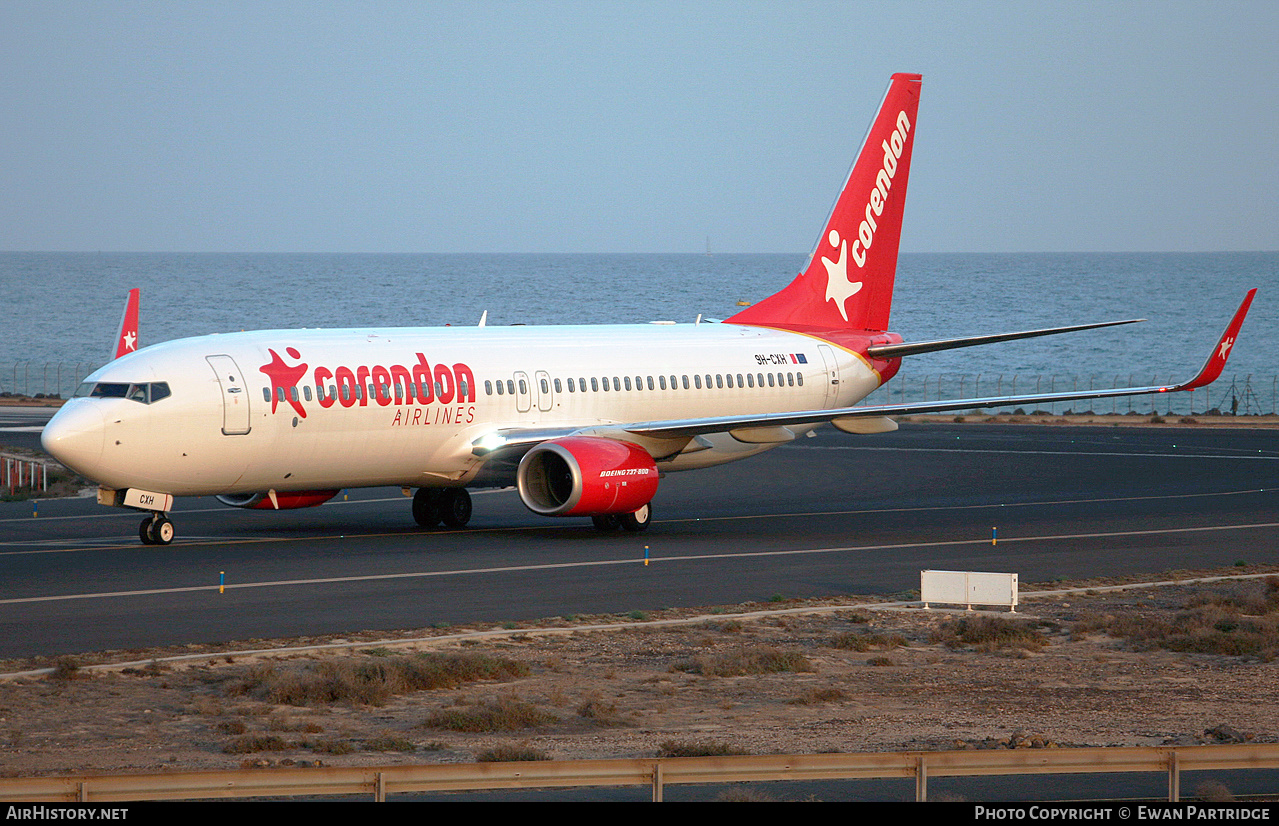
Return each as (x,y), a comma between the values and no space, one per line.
(1179,665)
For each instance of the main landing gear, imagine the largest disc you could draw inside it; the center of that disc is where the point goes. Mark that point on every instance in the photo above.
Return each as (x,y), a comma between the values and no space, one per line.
(156,529)
(452,506)
(633,522)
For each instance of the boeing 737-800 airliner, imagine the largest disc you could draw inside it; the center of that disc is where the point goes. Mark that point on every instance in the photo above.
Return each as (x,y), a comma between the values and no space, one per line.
(582,420)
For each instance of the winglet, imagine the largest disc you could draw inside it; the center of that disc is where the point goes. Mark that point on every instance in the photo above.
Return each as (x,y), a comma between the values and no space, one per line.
(1216,362)
(126,341)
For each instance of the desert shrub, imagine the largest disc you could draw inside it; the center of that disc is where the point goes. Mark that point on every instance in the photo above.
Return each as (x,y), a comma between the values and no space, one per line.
(252,743)
(697,748)
(508,753)
(373,680)
(853,641)
(760,659)
(990,634)
(507,714)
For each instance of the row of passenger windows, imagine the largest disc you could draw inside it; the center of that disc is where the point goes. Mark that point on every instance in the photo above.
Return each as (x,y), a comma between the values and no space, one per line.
(582,384)
(620,383)
(347,392)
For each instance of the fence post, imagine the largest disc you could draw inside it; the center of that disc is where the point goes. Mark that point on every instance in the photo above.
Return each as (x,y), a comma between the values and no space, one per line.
(1174,778)
(657,782)
(921,780)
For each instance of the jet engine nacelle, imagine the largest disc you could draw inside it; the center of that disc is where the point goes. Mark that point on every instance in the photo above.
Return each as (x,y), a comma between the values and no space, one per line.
(586,476)
(278,501)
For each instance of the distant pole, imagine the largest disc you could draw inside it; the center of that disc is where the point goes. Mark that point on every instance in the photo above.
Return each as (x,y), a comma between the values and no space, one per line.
(221,582)
(994,536)
(646,555)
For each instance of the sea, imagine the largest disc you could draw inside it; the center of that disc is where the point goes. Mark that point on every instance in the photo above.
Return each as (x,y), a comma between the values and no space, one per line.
(60,311)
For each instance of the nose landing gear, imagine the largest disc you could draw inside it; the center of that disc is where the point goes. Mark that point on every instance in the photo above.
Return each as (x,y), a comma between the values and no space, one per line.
(156,529)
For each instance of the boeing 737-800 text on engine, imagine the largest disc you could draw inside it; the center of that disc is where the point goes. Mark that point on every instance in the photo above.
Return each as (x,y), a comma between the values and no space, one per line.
(582,420)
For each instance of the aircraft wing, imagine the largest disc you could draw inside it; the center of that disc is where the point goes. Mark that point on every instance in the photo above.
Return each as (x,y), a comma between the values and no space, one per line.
(755,427)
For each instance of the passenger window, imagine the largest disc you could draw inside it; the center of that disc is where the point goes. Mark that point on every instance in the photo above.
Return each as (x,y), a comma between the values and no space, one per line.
(617,384)
(499,388)
(557,386)
(488,387)
(761,379)
(571,385)
(770,379)
(750,380)
(662,381)
(510,386)
(604,381)
(523,387)
(306,391)
(546,388)
(799,379)
(719,380)
(595,384)
(650,382)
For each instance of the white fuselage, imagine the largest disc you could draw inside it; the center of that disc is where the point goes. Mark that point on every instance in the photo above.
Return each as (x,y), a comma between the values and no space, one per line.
(327,409)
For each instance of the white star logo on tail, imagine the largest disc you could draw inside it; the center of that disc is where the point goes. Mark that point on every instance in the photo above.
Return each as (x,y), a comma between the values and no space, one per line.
(1225,347)
(130,341)
(838,288)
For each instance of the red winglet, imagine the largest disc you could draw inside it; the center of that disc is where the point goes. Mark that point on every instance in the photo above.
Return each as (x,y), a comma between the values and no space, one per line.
(126,341)
(1216,362)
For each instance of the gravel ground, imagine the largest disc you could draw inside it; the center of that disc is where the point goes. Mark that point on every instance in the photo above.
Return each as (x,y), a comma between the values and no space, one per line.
(746,679)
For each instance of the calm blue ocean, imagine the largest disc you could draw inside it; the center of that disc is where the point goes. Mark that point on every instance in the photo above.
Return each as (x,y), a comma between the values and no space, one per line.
(63,308)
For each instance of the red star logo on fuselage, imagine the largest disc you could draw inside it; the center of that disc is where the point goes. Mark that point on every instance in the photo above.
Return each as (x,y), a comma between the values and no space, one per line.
(284,379)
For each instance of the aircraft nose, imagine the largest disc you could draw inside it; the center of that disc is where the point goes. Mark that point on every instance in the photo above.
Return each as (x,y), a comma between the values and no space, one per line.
(74,436)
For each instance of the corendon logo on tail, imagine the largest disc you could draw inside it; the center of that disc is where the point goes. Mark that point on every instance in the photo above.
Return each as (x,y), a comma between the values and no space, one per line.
(839,288)
(416,386)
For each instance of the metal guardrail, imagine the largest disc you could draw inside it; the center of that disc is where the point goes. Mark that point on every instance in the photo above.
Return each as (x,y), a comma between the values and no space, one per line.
(22,473)
(1243,395)
(379,782)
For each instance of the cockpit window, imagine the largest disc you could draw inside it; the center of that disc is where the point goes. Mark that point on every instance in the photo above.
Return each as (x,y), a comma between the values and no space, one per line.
(144,393)
(110,390)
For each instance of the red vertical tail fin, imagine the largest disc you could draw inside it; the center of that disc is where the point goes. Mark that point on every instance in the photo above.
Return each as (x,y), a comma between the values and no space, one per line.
(126,341)
(848,282)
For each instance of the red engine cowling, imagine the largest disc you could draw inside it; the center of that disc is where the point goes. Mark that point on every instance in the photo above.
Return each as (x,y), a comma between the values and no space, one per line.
(586,476)
(282,501)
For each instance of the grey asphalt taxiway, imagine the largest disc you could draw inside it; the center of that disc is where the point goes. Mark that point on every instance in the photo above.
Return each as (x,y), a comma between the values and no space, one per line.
(832,514)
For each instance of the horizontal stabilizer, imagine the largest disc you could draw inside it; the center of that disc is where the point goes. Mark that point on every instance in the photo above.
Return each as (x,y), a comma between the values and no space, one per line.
(891,351)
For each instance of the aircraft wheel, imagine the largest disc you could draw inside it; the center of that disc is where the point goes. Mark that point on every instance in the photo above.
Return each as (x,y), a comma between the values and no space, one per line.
(144,531)
(455,507)
(426,507)
(639,520)
(606,522)
(157,530)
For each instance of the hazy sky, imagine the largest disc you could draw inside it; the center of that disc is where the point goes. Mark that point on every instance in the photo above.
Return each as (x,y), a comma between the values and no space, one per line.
(630,126)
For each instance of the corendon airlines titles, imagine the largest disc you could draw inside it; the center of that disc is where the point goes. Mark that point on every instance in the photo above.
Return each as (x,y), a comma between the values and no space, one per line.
(451,389)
